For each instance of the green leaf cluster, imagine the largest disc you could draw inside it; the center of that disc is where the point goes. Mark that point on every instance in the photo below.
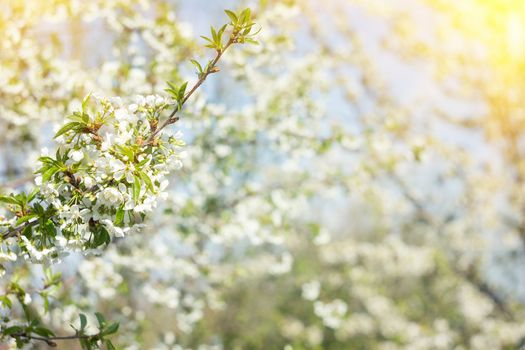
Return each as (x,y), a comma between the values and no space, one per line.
(177,93)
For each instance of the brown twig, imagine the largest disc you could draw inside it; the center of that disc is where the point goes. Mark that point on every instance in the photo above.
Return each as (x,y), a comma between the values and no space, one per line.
(50,340)
(212,68)
(16,230)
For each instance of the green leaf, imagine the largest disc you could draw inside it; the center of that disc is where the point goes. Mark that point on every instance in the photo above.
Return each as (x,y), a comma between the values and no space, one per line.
(180,95)
(85,344)
(43,331)
(245,16)
(214,35)
(12,330)
(49,228)
(119,217)
(209,40)
(38,209)
(66,128)
(251,41)
(127,151)
(197,65)
(232,16)
(4,300)
(9,200)
(248,29)
(221,31)
(101,237)
(85,101)
(25,218)
(109,345)
(52,278)
(143,162)
(136,189)
(46,303)
(83,322)
(172,92)
(27,231)
(78,117)
(146,180)
(101,320)
(49,160)
(182,91)
(46,175)
(111,329)
(33,194)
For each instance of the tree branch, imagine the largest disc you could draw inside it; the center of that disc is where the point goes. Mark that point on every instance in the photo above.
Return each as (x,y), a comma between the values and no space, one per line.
(51,340)
(470,275)
(16,230)
(212,68)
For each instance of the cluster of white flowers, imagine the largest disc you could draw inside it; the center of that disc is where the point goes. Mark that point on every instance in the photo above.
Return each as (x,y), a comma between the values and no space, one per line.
(331,313)
(108,173)
(100,277)
(311,290)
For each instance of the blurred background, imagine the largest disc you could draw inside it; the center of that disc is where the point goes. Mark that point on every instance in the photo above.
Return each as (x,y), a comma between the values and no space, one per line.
(355,181)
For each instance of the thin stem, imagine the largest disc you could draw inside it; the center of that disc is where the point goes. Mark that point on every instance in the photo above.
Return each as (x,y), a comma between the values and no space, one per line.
(16,230)
(210,70)
(50,340)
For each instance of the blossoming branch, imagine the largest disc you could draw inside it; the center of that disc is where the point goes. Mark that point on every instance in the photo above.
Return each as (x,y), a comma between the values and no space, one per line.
(107,174)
